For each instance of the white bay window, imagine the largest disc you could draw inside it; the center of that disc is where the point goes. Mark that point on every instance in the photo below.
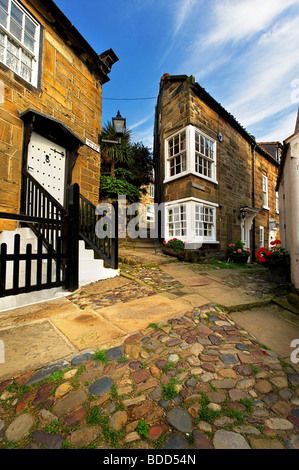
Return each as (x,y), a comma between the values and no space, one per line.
(191,220)
(190,151)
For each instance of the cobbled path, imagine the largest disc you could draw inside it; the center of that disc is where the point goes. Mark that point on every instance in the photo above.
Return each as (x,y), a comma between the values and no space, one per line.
(197,381)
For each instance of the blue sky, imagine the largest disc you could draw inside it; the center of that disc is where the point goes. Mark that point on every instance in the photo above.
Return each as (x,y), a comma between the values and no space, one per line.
(245,53)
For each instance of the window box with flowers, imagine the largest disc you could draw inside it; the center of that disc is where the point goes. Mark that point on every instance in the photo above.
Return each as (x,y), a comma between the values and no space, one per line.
(237,253)
(174,247)
(277,260)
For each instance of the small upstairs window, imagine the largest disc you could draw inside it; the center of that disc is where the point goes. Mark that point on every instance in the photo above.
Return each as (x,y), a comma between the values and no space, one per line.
(19,40)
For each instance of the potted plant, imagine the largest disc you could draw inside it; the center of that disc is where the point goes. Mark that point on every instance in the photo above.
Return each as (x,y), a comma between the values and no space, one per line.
(173,247)
(277,260)
(237,253)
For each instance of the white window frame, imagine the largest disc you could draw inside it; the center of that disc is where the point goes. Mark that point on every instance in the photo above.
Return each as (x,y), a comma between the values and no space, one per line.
(276,202)
(192,153)
(190,223)
(18,44)
(152,191)
(265,192)
(262,236)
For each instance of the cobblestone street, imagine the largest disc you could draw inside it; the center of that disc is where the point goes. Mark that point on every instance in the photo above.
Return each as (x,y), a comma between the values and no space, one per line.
(196,380)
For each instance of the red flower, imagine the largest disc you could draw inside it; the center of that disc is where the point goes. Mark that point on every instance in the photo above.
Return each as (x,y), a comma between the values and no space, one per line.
(174,239)
(273,243)
(258,254)
(261,259)
(269,253)
(164,241)
(262,249)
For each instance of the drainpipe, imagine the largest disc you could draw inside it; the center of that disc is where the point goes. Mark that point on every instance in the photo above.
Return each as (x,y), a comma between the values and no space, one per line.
(253,147)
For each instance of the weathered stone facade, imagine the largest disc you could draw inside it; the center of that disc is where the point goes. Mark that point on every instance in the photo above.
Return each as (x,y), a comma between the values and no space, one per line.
(229,186)
(69,90)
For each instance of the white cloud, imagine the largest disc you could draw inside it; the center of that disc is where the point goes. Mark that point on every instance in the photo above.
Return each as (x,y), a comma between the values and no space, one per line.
(182,12)
(239,19)
(283,129)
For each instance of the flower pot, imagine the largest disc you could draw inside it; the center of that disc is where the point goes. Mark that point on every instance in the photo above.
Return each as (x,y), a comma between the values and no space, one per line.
(171,252)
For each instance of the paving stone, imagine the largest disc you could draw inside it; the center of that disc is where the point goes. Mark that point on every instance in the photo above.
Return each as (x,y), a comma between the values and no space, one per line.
(173,358)
(75,417)
(204,426)
(118,420)
(217,397)
(280,382)
(179,419)
(270,398)
(279,424)
(140,375)
(175,441)
(225,383)
(200,441)
(293,419)
(115,353)
(46,416)
(63,389)
(214,340)
(160,363)
(5,384)
(244,370)
(132,437)
(281,408)
(229,440)
(228,373)
(173,342)
(293,379)
(196,349)
(101,386)
(244,384)
(83,436)
(155,432)
(82,358)
(47,371)
(265,443)
(237,395)
(135,365)
(223,421)
(242,347)
(245,429)
(263,386)
(285,394)
(50,441)
(229,359)
(70,402)
(292,442)
(19,427)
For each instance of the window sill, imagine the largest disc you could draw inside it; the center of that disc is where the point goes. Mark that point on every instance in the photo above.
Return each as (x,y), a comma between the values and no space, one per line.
(266,208)
(186,173)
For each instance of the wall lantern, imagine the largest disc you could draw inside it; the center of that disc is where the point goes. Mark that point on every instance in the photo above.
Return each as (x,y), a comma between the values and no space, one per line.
(119,126)
(243,213)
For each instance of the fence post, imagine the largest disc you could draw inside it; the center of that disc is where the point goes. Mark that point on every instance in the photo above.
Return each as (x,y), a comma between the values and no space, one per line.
(72,269)
(114,240)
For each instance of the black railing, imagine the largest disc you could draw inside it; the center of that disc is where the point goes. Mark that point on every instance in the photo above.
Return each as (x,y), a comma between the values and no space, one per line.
(106,247)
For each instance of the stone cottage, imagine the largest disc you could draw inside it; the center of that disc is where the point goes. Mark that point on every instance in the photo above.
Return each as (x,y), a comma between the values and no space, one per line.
(216,183)
(50,105)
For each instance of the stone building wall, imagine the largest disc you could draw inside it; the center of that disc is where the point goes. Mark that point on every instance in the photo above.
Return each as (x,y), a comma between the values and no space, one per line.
(70,92)
(180,104)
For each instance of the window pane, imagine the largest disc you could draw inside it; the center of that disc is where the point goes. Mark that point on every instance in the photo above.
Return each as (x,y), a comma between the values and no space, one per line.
(29,42)
(3,18)
(16,14)
(16,29)
(4,4)
(29,27)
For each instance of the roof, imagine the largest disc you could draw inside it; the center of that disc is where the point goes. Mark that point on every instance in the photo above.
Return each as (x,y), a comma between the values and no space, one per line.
(283,157)
(99,64)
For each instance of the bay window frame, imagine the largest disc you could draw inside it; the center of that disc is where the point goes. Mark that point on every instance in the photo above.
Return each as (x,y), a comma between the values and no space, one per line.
(191,154)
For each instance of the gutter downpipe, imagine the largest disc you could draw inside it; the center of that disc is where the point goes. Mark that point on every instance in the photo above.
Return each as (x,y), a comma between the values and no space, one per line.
(253,147)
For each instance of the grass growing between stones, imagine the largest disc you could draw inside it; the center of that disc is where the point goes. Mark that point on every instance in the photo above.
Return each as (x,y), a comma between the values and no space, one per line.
(101,356)
(169,390)
(143,428)
(94,417)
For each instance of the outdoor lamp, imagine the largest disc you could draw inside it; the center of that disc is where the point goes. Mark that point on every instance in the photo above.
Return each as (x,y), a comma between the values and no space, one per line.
(119,124)
(243,213)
